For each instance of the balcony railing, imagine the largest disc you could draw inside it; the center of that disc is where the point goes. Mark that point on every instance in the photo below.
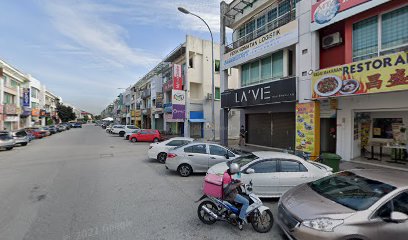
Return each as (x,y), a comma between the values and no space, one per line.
(145,93)
(268,27)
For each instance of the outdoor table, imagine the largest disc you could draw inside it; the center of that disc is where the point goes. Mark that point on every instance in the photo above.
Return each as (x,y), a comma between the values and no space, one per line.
(398,154)
(372,145)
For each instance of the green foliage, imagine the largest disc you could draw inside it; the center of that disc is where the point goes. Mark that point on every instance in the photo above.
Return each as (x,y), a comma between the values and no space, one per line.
(49,122)
(65,113)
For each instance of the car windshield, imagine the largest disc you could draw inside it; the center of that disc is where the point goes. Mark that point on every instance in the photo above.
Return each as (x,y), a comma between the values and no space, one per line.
(351,190)
(244,160)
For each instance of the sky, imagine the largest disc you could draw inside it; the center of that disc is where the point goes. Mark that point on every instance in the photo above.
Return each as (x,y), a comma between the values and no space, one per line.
(84,50)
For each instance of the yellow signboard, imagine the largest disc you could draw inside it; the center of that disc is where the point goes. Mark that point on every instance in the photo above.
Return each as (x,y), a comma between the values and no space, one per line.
(308,128)
(382,74)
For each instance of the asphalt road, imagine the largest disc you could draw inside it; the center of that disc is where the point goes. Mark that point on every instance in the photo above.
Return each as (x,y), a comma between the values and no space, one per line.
(84,184)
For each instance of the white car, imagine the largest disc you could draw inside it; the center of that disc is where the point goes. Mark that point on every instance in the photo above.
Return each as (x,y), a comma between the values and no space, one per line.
(159,150)
(122,129)
(197,157)
(274,173)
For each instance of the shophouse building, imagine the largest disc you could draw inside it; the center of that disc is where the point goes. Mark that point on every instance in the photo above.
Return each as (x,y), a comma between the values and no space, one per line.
(12,82)
(187,89)
(353,66)
(263,50)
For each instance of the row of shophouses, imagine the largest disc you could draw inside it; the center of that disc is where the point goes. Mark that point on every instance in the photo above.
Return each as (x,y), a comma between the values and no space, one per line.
(316,76)
(25,101)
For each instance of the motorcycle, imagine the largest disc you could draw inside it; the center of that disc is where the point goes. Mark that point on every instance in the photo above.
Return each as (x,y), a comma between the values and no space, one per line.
(214,209)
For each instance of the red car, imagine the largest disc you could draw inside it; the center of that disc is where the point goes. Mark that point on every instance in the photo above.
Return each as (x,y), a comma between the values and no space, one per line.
(146,135)
(36,132)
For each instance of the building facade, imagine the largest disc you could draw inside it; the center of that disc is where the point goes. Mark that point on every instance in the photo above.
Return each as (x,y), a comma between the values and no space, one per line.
(354,66)
(263,51)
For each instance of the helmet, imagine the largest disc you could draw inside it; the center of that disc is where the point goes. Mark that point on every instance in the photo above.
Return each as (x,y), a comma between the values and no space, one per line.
(234,168)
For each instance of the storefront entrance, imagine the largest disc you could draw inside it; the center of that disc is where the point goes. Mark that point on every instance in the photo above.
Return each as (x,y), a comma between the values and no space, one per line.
(273,130)
(328,135)
(380,136)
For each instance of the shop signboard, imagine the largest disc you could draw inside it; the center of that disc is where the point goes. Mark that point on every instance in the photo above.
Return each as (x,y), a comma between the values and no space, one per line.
(11,119)
(326,12)
(279,38)
(35,112)
(42,113)
(178,97)
(179,111)
(308,128)
(10,109)
(169,118)
(266,93)
(177,77)
(382,74)
(138,113)
(159,100)
(26,97)
(167,86)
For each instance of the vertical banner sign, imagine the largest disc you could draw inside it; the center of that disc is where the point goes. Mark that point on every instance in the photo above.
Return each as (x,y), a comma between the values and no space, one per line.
(179,101)
(26,97)
(177,78)
(308,128)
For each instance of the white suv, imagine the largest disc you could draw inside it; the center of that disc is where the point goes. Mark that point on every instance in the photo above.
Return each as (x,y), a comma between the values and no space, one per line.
(123,129)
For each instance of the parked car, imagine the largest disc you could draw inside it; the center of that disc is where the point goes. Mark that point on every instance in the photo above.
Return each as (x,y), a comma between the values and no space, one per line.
(355,204)
(273,173)
(146,135)
(122,129)
(67,125)
(159,150)
(76,125)
(52,129)
(127,135)
(197,157)
(37,132)
(109,128)
(20,137)
(6,140)
(46,131)
(61,127)
(30,136)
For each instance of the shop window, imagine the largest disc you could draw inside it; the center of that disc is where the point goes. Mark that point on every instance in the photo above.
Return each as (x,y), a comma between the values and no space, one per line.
(382,127)
(394,34)
(245,74)
(260,25)
(277,64)
(272,14)
(14,83)
(365,39)
(254,72)
(217,93)
(250,27)
(241,32)
(266,68)
(8,98)
(191,63)
(284,7)
(394,28)
(217,65)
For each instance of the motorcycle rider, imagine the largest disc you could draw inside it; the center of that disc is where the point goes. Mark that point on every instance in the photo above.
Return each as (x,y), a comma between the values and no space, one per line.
(230,190)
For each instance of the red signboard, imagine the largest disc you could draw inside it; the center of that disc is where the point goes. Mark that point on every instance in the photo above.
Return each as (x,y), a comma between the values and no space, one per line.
(325,10)
(177,78)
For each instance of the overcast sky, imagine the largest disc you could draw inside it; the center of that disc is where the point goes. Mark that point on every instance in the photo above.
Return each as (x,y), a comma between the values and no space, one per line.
(84,50)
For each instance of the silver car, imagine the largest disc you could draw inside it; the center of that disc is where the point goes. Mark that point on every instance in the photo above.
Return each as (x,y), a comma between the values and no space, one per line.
(197,157)
(357,204)
(6,140)
(21,137)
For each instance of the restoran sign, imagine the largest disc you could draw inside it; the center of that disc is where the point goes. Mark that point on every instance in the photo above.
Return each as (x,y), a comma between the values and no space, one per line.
(382,74)
(281,37)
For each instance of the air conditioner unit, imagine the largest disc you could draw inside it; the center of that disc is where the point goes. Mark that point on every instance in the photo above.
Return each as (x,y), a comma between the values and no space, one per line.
(209,96)
(331,40)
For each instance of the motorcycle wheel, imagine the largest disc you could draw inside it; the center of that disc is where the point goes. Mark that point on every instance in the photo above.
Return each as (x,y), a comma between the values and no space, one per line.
(205,217)
(263,222)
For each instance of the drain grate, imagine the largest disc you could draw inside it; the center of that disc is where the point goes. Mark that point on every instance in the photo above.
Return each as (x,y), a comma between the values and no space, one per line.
(107,155)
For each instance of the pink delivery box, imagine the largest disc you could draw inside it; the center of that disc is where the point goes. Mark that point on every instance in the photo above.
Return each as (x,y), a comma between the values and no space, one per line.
(213,185)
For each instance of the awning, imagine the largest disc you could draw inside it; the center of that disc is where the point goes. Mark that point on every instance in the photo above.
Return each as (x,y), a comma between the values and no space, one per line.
(197,120)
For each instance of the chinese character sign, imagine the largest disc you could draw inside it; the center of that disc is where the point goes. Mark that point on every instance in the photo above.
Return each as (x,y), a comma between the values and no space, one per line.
(177,77)
(26,97)
(308,128)
(382,74)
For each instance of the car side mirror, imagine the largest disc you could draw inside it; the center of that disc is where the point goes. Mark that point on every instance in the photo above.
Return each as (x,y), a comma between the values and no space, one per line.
(226,156)
(398,217)
(250,171)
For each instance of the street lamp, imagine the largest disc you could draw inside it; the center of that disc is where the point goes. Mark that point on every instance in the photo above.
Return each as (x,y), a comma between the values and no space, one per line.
(185,11)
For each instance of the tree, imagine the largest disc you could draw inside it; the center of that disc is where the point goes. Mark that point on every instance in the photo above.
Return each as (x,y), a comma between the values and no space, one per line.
(86,118)
(65,113)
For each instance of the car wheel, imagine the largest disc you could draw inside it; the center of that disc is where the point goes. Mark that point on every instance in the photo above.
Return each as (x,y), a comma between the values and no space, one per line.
(184,170)
(133,140)
(121,134)
(9,148)
(127,137)
(155,140)
(24,144)
(161,157)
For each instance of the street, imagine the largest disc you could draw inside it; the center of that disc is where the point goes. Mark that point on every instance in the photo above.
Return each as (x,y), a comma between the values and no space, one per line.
(86,184)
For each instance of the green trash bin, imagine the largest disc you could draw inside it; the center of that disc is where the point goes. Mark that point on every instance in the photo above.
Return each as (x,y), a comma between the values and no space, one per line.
(332,160)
